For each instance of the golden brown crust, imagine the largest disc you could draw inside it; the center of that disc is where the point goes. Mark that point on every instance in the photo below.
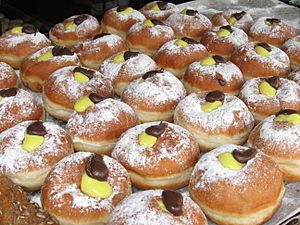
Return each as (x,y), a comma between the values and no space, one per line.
(84,31)
(59,87)
(111,117)
(119,22)
(34,73)
(274,34)
(8,76)
(92,52)
(215,78)
(171,56)
(61,191)
(242,197)
(21,107)
(149,38)
(254,65)
(161,14)
(16,209)
(14,48)
(292,49)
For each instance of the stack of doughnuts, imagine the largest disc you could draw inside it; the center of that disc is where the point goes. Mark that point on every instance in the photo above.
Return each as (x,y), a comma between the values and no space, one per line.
(159,99)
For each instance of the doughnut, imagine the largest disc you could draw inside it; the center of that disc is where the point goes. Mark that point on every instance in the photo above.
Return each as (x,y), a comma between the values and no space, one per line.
(20,42)
(292,49)
(67,85)
(17,105)
(8,76)
(159,10)
(30,149)
(119,20)
(261,60)
(176,55)
(213,73)
(74,30)
(154,96)
(157,155)
(35,69)
(148,36)
(271,30)
(93,52)
(124,67)
(84,188)
(188,23)
(224,40)
(158,207)
(17,209)
(232,17)
(278,136)
(214,119)
(98,123)
(267,96)
(237,185)
(295,76)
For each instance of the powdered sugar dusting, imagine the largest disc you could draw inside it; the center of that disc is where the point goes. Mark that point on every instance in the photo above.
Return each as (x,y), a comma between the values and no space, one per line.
(14,159)
(272,132)
(232,113)
(292,45)
(276,59)
(157,14)
(140,209)
(179,22)
(295,76)
(26,103)
(237,37)
(274,31)
(5,70)
(98,116)
(110,40)
(287,92)
(228,70)
(135,15)
(13,40)
(172,48)
(64,82)
(213,171)
(135,155)
(134,67)
(80,200)
(162,88)
(154,32)
(59,58)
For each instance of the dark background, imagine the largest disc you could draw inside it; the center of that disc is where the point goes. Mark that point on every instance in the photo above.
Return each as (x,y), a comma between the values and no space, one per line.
(44,14)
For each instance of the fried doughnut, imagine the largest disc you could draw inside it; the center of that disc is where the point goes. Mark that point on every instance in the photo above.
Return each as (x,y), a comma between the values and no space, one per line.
(261,60)
(279,137)
(93,52)
(30,149)
(213,73)
(74,30)
(84,188)
(98,127)
(188,23)
(271,30)
(67,85)
(214,119)
(154,96)
(20,42)
(157,155)
(125,67)
(267,96)
(35,69)
(176,55)
(8,76)
(119,20)
(17,105)
(237,185)
(292,49)
(159,10)
(158,207)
